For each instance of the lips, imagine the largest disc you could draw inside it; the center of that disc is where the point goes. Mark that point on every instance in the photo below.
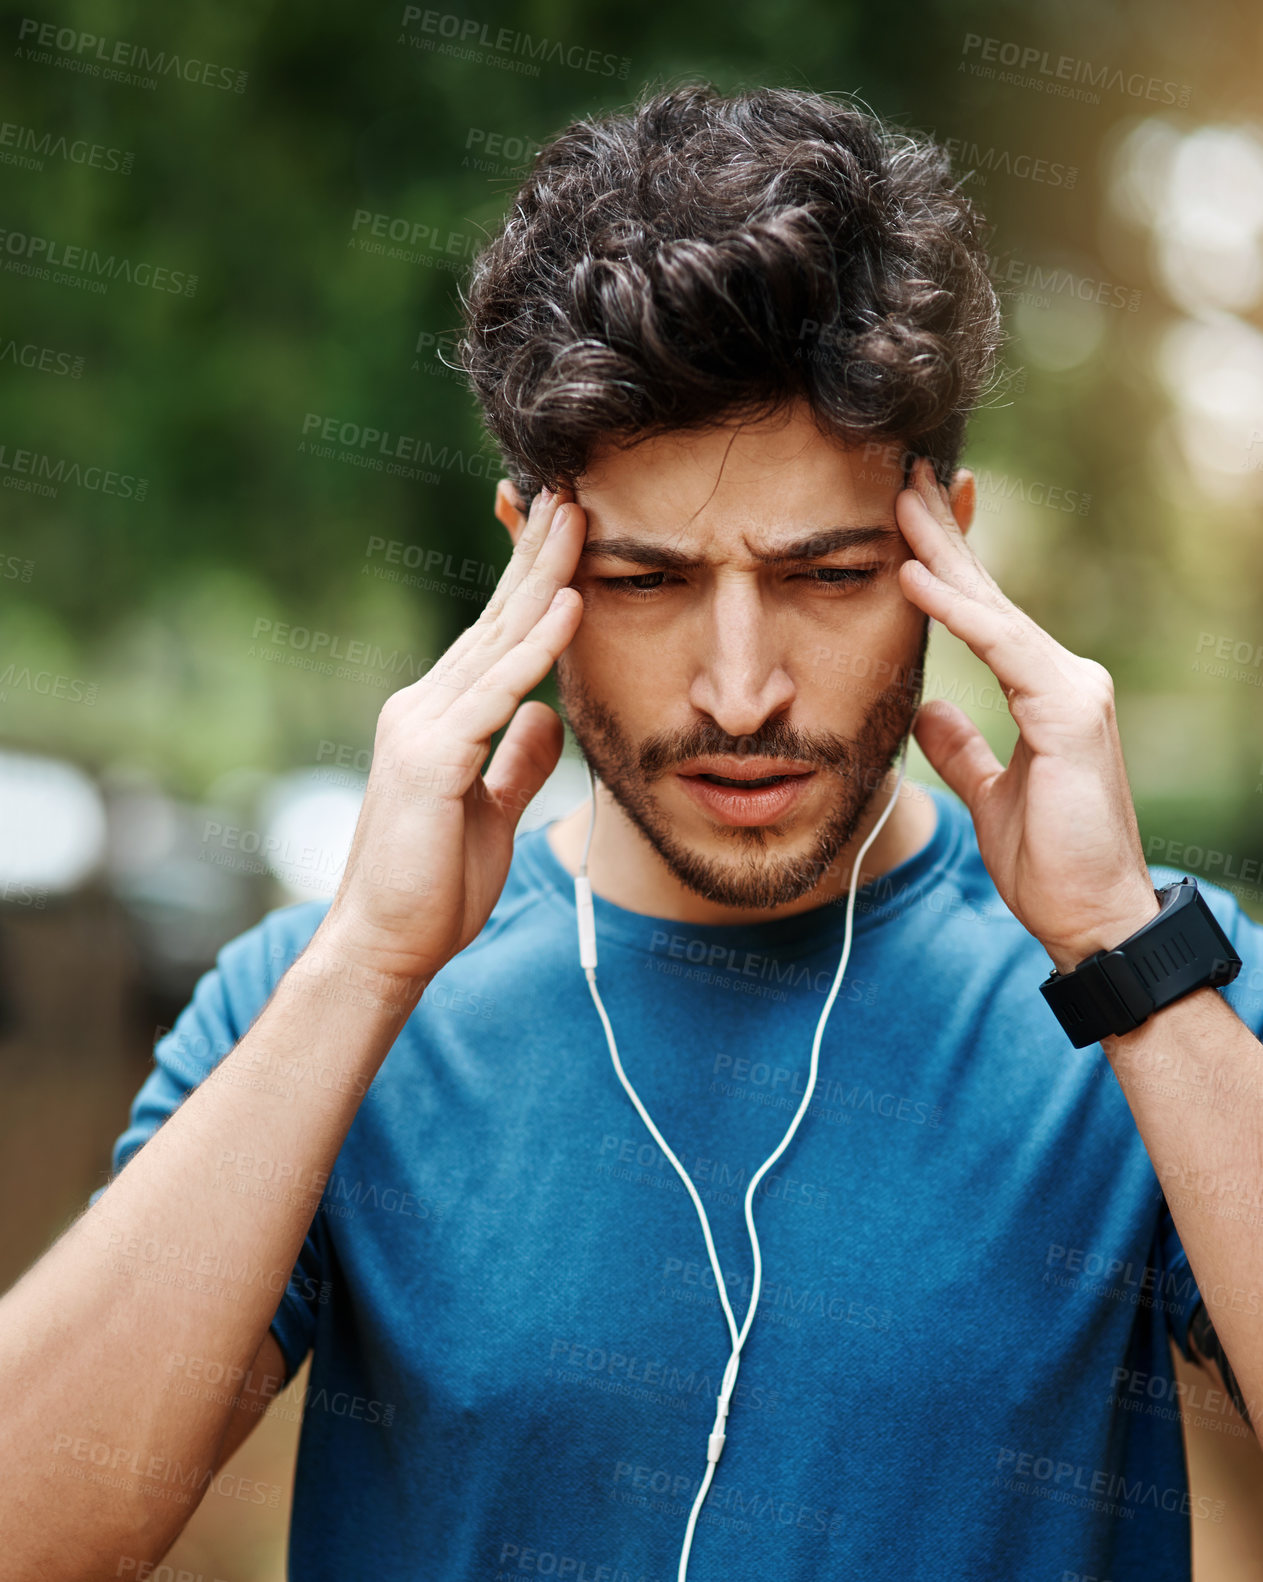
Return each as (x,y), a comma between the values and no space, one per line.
(724,780)
(744,791)
(744,771)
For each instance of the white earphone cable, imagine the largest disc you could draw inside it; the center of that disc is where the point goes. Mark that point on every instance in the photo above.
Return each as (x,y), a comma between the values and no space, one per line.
(587,960)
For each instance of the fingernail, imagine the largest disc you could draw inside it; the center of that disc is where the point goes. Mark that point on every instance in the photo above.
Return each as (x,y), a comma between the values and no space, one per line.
(558,521)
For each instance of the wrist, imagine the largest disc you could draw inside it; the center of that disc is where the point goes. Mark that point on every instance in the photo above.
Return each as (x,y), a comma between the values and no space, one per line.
(1066,955)
(1169,947)
(341,965)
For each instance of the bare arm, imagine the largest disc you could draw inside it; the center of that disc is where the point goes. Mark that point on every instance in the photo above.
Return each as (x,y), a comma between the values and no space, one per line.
(1164,1067)
(1208,1352)
(102,1459)
(262,1384)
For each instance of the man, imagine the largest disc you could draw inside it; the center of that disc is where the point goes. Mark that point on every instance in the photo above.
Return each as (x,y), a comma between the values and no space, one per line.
(709,340)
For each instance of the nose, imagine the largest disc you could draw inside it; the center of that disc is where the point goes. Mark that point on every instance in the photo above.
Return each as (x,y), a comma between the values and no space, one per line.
(739,677)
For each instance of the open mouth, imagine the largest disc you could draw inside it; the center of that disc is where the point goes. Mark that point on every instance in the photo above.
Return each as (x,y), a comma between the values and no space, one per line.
(747,800)
(745,785)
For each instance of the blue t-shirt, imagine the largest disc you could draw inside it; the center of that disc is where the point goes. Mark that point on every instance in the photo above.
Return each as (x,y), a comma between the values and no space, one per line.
(960,1363)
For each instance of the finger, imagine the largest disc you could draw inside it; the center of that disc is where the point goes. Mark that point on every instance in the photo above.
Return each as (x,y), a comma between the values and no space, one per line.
(956,749)
(531,539)
(951,560)
(527,754)
(1015,649)
(925,519)
(491,698)
(531,601)
(552,567)
(925,484)
(522,597)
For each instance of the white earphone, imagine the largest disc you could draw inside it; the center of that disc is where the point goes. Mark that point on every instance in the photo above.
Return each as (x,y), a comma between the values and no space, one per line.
(587,960)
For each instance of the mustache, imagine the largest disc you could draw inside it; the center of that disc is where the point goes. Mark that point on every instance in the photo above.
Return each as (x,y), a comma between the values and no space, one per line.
(658,754)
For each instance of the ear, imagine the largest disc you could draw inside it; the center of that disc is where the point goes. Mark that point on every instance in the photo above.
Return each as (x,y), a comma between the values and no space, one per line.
(963,497)
(508,508)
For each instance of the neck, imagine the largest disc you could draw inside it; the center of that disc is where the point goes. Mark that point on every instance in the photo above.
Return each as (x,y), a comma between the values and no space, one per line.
(625,870)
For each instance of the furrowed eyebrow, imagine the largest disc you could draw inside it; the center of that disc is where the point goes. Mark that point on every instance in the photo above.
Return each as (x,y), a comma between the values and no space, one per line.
(827,541)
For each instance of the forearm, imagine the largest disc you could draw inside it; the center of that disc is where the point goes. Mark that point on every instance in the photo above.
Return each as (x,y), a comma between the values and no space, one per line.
(1191,1075)
(102,1458)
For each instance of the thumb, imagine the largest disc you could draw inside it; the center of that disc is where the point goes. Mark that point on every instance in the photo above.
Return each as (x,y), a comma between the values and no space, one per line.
(956,749)
(527,755)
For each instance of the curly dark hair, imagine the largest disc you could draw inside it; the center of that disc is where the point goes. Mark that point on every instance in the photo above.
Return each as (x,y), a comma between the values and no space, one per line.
(704,257)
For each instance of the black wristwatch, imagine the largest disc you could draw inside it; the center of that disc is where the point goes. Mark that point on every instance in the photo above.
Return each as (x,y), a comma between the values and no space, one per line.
(1113,991)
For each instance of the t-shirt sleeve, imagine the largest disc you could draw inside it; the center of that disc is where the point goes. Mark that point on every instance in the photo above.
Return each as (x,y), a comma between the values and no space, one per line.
(225,1002)
(1245,995)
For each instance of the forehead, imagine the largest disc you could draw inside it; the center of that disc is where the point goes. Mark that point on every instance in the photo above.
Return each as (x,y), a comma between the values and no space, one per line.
(740,483)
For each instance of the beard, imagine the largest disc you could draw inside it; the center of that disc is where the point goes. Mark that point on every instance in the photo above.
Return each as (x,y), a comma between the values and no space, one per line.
(752,874)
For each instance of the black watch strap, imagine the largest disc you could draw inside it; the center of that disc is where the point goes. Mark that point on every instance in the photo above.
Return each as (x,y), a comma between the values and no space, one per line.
(1113,991)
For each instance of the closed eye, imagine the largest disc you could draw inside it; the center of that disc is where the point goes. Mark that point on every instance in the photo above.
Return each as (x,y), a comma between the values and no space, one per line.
(649,582)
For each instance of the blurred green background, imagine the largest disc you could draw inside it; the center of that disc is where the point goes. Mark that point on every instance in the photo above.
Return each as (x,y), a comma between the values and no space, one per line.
(180,650)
